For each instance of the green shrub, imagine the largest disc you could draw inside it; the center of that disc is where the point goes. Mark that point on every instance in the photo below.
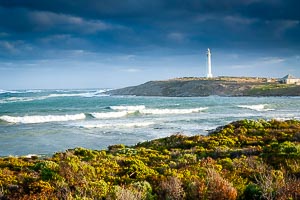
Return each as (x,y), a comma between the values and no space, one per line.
(252,192)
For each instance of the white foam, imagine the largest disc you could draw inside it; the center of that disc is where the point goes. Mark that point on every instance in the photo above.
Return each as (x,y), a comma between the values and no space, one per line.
(22,99)
(9,91)
(282,118)
(172,111)
(85,94)
(128,108)
(119,125)
(108,115)
(70,95)
(19,91)
(30,156)
(42,119)
(259,107)
(25,99)
(33,91)
(102,91)
(155,111)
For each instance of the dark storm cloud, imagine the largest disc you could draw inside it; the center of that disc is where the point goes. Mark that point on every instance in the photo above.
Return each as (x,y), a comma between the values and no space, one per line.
(265,9)
(90,8)
(135,25)
(108,41)
(23,20)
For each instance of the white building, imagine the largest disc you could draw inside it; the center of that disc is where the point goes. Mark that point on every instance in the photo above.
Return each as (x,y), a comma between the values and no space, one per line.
(289,79)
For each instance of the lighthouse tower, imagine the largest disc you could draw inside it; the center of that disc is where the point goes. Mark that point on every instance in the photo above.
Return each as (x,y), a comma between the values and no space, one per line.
(209,74)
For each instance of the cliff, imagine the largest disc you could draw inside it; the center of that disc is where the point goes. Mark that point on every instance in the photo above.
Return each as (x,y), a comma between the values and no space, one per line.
(221,86)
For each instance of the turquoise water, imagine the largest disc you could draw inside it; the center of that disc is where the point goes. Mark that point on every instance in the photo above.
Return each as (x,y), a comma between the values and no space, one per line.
(48,121)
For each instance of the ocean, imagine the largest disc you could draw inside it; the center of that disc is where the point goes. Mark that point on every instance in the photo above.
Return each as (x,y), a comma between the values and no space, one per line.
(43,122)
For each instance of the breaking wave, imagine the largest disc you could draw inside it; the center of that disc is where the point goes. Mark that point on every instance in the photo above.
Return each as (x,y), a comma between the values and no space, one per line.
(128,108)
(82,94)
(21,99)
(98,93)
(259,107)
(109,115)
(172,111)
(9,91)
(117,125)
(19,91)
(97,115)
(42,119)
(155,111)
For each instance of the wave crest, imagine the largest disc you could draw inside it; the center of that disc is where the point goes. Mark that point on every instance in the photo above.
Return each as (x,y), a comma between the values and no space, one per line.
(156,111)
(172,111)
(22,99)
(109,115)
(98,93)
(128,108)
(42,119)
(119,125)
(259,107)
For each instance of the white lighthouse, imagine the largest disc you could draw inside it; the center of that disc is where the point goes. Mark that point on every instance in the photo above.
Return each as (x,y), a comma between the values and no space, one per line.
(209,74)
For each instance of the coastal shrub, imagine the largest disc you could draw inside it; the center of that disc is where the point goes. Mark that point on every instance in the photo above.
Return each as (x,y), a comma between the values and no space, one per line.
(219,188)
(48,170)
(124,193)
(116,147)
(252,192)
(85,154)
(297,137)
(7,177)
(97,189)
(270,182)
(40,186)
(280,154)
(226,163)
(196,189)
(171,189)
(136,169)
(290,189)
(145,188)
(293,167)
(15,164)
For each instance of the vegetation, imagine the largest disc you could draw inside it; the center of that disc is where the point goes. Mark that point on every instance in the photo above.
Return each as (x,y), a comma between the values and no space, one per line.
(242,160)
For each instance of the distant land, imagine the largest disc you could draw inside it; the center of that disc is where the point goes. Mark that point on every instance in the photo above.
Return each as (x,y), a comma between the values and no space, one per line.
(221,86)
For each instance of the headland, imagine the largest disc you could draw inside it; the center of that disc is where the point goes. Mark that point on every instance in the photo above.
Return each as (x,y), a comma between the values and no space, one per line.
(221,86)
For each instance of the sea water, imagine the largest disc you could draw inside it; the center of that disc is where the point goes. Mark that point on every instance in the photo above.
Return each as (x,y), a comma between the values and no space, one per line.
(47,121)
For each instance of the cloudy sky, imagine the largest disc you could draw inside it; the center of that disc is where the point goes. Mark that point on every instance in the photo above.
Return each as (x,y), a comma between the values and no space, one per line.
(116,43)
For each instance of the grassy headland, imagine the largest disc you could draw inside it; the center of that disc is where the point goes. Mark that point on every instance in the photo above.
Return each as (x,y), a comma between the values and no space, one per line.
(243,160)
(221,86)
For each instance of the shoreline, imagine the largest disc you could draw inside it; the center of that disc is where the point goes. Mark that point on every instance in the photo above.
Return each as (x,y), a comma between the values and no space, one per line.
(49,155)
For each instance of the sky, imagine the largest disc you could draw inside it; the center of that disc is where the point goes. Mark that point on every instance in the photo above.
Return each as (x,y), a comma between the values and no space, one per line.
(51,44)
